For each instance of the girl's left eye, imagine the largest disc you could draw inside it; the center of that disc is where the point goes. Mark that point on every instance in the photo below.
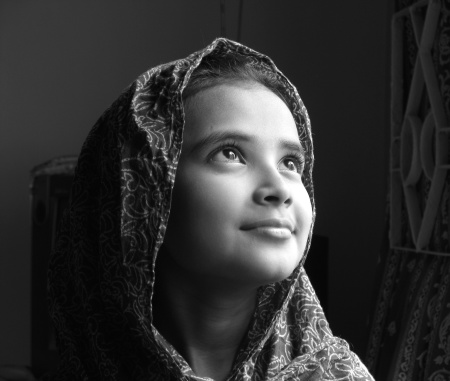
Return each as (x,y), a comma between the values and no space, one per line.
(291,164)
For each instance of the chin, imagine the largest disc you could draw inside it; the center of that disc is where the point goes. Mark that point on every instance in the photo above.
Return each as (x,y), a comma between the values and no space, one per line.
(272,272)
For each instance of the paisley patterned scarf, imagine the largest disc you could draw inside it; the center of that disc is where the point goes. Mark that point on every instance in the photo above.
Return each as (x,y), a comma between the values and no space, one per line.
(102,272)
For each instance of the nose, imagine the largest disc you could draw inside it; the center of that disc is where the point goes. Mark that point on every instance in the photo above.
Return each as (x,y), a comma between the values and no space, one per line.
(272,189)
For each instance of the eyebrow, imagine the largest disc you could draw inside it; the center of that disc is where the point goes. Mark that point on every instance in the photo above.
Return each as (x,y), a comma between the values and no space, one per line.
(219,136)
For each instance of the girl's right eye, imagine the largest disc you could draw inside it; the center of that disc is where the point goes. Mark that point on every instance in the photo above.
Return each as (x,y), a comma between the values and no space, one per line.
(227,155)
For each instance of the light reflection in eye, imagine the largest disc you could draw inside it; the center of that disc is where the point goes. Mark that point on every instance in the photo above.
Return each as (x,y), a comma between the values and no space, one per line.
(292,165)
(227,155)
(230,154)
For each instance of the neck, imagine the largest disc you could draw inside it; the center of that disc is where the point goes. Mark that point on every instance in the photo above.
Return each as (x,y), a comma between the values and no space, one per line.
(202,319)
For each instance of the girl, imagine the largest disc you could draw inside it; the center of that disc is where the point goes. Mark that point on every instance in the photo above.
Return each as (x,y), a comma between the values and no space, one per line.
(181,257)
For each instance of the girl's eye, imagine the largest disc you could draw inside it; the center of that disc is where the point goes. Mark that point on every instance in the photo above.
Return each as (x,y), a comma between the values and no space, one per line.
(290,164)
(228,155)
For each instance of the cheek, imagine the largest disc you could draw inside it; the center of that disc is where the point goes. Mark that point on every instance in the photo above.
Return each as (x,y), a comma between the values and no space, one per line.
(304,209)
(303,217)
(205,205)
(203,223)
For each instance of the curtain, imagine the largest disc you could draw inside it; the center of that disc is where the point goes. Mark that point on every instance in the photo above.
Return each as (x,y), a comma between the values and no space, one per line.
(410,329)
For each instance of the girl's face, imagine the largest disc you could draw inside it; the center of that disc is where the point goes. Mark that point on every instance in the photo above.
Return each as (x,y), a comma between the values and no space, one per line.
(240,213)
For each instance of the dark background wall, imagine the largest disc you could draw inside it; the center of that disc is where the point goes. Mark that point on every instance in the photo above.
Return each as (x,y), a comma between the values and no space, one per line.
(63,62)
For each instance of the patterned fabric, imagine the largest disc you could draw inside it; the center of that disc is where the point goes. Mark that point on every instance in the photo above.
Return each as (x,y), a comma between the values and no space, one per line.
(102,273)
(410,336)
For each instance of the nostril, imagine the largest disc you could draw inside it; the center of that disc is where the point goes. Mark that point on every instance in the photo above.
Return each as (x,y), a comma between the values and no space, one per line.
(271,198)
(288,201)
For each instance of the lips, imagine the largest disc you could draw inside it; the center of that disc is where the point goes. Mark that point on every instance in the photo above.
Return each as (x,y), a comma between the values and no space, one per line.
(274,223)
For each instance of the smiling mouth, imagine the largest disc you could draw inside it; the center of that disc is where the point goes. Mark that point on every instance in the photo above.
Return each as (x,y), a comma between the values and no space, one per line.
(275,227)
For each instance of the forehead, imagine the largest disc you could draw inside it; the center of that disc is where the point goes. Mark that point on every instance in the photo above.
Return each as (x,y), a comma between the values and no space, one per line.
(251,109)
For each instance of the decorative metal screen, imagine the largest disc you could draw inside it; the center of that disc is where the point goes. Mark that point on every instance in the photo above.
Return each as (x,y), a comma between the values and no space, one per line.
(419,130)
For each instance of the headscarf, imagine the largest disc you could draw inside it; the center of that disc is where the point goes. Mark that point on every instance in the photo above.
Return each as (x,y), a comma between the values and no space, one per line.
(102,272)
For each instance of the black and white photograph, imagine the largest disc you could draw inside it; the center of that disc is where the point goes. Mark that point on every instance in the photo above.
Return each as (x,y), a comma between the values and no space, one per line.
(225,190)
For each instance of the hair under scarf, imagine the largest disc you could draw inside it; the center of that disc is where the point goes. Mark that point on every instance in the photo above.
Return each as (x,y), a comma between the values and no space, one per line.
(102,272)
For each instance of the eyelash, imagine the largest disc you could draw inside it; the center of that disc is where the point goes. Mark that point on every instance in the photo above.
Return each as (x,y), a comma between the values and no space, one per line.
(233,144)
(298,159)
